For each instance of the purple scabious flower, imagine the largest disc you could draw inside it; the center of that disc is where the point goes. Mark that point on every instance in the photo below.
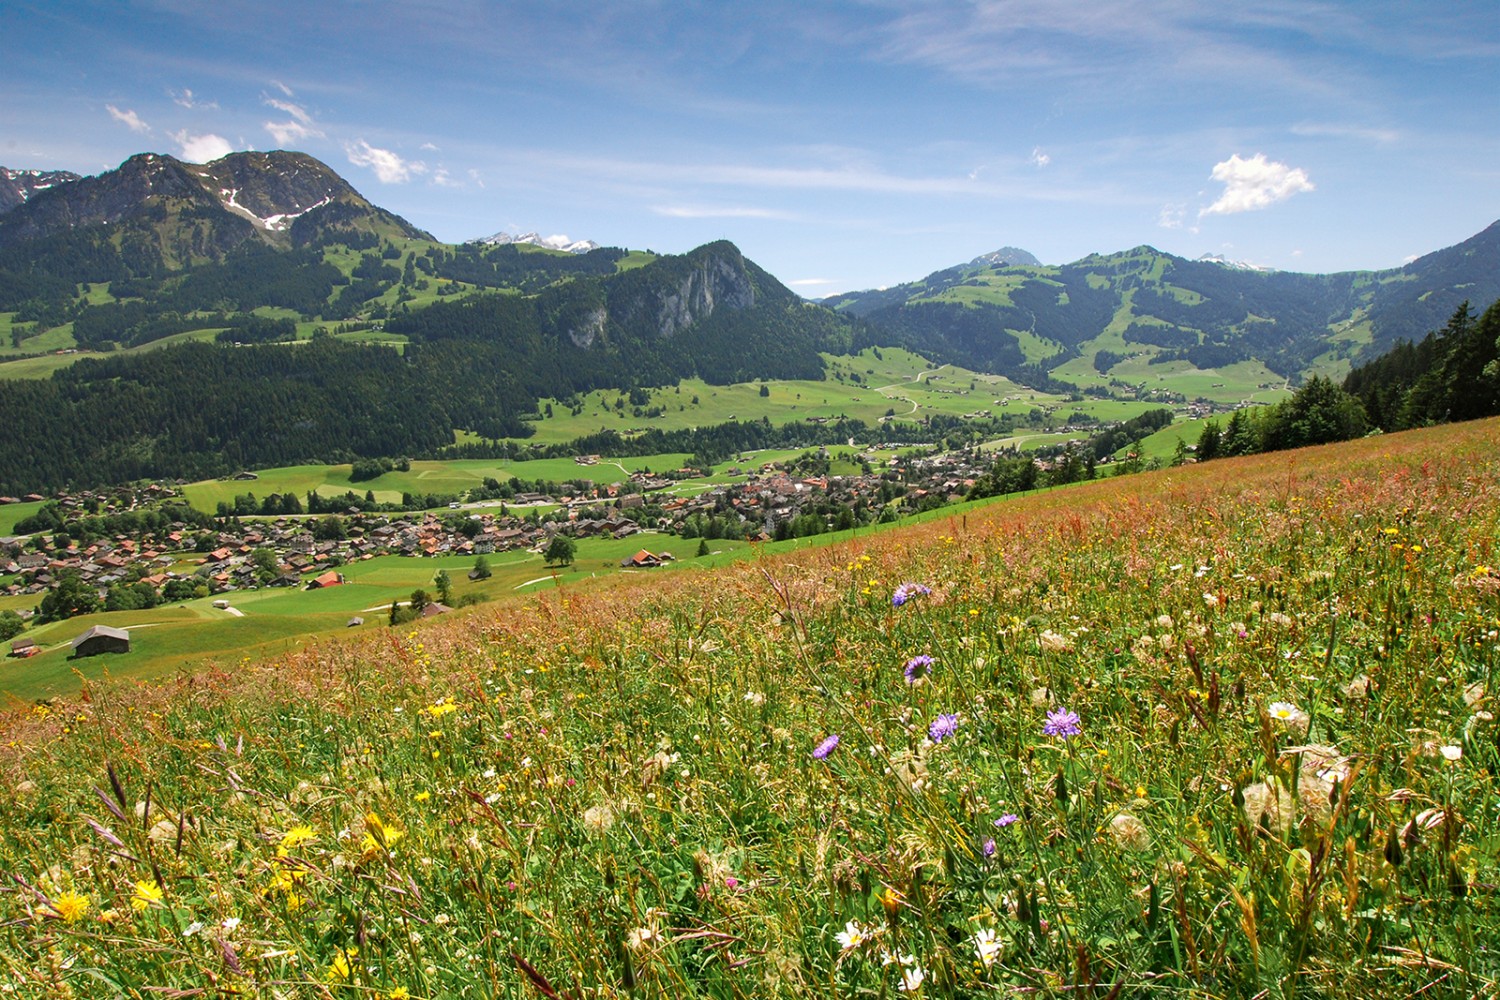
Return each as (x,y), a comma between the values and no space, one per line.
(907,591)
(918,667)
(989,847)
(1006,820)
(826,747)
(942,727)
(1063,722)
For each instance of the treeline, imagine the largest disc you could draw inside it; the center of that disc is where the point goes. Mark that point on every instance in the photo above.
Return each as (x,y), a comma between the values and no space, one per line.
(1452,374)
(198,411)
(51,519)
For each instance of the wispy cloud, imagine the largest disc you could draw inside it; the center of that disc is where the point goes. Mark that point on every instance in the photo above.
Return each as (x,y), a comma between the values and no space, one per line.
(1255,183)
(850,178)
(201,148)
(1000,42)
(718,212)
(1038,158)
(128,118)
(389,167)
(810,282)
(188,100)
(1171,216)
(283,88)
(1384,136)
(291,132)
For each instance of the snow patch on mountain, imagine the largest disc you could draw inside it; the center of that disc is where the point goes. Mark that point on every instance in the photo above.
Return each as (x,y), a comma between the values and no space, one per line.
(1234,265)
(271,223)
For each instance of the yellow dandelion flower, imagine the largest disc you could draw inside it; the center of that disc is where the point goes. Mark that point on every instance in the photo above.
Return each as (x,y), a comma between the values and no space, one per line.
(422,796)
(378,835)
(441,709)
(399,993)
(147,894)
(297,836)
(342,965)
(71,906)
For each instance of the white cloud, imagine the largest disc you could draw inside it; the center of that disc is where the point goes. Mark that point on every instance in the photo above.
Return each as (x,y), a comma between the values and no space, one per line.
(1171,216)
(429,147)
(805,282)
(1039,159)
(442,178)
(201,148)
(292,132)
(717,212)
(187,100)
(127,118)
(1384,136)
(295,110)
(389,167)
(282,87)
(474,176)
(1255,183)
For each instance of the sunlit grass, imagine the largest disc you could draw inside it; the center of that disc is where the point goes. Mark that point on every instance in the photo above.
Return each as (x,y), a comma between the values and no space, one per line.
(1219,731)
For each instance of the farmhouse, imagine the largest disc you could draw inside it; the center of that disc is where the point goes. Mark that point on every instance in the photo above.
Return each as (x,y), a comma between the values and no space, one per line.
(24,647)
(328,579)
(102,639)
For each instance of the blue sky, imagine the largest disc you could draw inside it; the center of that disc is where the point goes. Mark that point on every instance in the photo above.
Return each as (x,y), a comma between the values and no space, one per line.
(841,145)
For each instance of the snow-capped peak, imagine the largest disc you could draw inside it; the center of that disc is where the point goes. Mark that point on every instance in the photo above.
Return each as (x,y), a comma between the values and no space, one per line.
(535,239)
(1235,265)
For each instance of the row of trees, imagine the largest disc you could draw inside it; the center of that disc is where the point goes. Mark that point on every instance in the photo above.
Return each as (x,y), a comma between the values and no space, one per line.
(1452,374)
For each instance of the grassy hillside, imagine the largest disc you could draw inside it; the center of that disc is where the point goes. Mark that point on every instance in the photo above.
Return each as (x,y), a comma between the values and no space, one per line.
(1215,731)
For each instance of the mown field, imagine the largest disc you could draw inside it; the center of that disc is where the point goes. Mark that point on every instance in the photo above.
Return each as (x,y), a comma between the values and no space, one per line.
(1217,731)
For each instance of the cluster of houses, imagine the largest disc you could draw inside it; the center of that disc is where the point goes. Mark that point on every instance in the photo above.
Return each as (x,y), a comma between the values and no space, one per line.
(304,555)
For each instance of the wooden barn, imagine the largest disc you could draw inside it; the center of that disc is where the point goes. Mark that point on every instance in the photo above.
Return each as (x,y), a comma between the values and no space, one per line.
(102,639)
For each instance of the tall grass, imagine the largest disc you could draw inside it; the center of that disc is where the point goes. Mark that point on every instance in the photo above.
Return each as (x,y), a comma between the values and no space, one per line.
(1281,781)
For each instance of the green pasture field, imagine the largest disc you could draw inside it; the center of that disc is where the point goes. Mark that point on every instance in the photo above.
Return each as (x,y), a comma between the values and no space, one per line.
(13,513)
(276,618)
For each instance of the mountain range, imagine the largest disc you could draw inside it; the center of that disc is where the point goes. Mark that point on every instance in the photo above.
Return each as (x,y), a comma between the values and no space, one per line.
(258,247)
(1033,321)
(537,240)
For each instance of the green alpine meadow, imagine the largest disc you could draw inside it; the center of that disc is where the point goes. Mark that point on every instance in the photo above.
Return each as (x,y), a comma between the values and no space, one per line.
(1218,730)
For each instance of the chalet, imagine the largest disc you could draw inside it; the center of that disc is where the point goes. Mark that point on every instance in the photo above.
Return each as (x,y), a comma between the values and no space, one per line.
(328,579)
(641,560)
(434,609)
(102,639)
(24,647)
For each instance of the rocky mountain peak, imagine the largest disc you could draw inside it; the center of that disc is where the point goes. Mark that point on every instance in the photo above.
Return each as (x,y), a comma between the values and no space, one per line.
(1005,257)
(18,186)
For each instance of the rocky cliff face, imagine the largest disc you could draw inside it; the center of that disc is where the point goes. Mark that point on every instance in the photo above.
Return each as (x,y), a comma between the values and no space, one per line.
(663,299)
(714,283)
(17,186)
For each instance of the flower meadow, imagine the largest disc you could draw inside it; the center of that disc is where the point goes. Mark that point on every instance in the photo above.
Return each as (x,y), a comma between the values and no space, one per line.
(1222,731)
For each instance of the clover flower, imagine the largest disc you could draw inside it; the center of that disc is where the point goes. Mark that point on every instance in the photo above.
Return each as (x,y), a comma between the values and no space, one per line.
(1063,722)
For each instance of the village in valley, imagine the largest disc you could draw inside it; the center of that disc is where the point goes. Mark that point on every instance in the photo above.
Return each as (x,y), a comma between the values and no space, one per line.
(208,556)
